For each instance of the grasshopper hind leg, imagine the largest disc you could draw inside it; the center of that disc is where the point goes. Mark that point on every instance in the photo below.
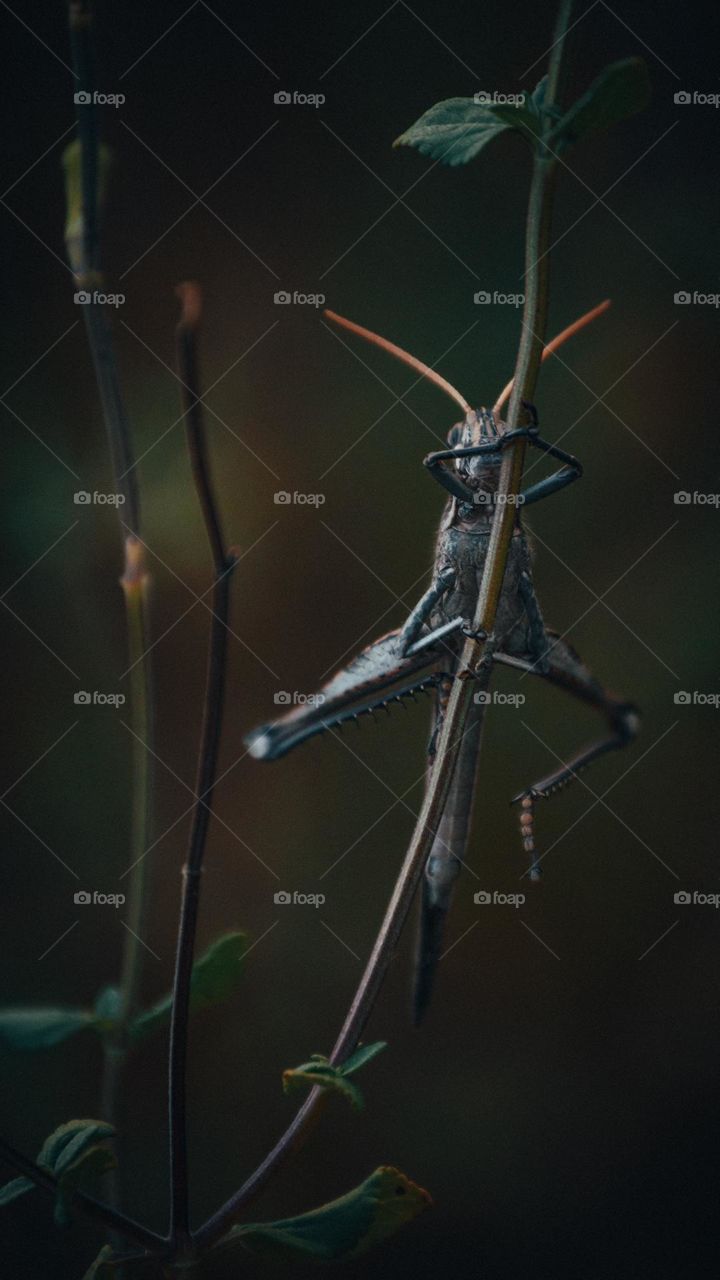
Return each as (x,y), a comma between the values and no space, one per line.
(562,667)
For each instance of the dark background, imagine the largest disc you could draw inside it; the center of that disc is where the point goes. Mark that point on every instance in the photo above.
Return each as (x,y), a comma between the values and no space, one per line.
(560,1102)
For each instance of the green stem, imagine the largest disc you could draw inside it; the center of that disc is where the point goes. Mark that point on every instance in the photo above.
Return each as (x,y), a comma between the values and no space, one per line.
(474,668)
(85,181)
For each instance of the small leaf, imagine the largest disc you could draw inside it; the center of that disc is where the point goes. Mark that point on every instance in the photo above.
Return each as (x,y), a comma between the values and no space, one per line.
(537,97)
(341,1229)
(107,1009)
(84,1173)
(364,1053)
(41,1028)
(108,1264)
(621,90)
(102,1265)
(214,977)
(68,1142)
(13,1190)
(454,130)
(325,1077)
(321,1073)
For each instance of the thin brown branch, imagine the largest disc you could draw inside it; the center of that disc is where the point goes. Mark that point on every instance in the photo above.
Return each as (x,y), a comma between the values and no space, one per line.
(207,765)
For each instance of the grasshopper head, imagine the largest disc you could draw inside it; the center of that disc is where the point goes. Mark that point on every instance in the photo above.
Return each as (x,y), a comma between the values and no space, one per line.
(480,427)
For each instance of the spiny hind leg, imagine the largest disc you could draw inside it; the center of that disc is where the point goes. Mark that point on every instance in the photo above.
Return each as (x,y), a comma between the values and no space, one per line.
(562,667)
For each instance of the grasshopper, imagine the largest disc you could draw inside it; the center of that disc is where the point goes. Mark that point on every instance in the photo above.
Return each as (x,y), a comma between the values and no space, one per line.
(424,652)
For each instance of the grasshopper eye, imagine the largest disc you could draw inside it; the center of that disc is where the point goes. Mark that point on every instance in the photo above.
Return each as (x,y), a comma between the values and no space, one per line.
(454,435)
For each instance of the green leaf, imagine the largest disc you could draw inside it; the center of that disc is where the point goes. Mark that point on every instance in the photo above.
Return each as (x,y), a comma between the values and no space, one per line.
(456,129)
(537,97)
(621,90)
(72,1155)
(341,1229)
(107,1009)
(13,1190)
(68,1142)
(108,1264)
(321,1073)
(84,1173)
(41,1028)
(102,1265)
(215,976)
(364,1053)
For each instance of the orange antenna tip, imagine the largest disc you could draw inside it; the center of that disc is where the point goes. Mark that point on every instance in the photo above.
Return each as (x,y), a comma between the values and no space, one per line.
(413,363)
(556,342)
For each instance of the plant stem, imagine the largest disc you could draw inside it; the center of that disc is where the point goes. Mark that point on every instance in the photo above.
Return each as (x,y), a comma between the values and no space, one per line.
(95,1209)
(474,667)
(223,564)
(85,181)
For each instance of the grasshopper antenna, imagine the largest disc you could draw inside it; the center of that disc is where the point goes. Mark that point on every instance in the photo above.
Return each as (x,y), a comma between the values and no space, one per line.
(557,341)
(423,369)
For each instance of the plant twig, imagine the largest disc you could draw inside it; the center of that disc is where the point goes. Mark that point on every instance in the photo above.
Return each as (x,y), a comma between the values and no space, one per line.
(86,163)
(223,564)
(474,666)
